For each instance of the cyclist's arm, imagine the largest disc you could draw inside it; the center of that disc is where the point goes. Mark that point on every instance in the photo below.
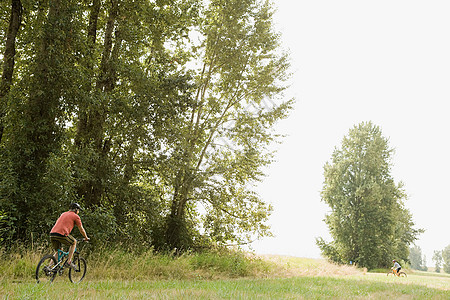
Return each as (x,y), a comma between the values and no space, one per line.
(83,232)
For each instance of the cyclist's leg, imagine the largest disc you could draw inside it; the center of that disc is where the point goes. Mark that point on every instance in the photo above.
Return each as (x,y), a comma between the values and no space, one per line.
(72,248)
(56,244)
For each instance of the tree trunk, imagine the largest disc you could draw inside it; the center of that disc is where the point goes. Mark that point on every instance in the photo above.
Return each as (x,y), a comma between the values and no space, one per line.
(9,57)
(177,236)
(82,126)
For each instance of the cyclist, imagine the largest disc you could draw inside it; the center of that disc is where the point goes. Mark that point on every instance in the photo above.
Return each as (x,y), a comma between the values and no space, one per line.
(396,268)
(60,233)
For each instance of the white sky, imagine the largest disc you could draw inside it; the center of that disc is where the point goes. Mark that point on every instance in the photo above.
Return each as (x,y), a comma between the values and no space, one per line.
(382,61)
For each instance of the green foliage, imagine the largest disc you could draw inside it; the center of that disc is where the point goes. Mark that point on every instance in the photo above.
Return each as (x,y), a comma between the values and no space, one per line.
(368,221)
(102,225)
(446,259)
(415,257)
(155,116)
(330,251)
(6,228)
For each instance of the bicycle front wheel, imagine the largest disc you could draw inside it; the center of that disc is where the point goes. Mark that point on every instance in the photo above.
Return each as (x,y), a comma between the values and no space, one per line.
(45,271)
(77,274)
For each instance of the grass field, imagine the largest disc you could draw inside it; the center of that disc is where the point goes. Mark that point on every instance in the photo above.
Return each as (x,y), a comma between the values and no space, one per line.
(272,277)
(364,286)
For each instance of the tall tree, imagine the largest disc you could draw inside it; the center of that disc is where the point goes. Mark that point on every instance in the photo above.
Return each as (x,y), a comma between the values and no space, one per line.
(368,221)
(446,259)
(220,146)
(418,262)
(36,121)
(437,258)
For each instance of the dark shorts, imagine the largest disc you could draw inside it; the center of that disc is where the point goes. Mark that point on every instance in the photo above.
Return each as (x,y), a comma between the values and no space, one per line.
(398,269)
(58,240)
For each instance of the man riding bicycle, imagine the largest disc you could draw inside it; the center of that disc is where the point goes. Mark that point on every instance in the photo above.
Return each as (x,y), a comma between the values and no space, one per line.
(396,268)
(60,233)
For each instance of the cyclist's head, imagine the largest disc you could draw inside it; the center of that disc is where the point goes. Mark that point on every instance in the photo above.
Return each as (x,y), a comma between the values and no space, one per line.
(75,206)
(393,260)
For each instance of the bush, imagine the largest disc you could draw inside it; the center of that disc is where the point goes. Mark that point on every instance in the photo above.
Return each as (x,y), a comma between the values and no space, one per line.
(6,228)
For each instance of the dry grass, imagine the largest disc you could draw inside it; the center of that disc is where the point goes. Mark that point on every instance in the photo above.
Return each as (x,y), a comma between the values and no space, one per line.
(289,266)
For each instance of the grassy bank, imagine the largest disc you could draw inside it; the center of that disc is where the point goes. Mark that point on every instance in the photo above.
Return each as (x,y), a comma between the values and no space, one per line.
(222,275)
(126,265)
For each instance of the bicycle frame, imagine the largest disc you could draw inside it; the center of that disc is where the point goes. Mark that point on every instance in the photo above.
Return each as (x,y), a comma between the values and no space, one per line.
(61,255)
(399,273)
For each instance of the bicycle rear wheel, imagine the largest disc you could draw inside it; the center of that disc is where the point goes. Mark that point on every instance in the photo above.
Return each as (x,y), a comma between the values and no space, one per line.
(78,274)
(402,274)
(45,271)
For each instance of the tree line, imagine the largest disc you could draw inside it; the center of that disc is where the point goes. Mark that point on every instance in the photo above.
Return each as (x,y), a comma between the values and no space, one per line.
(156,116)
(441,258)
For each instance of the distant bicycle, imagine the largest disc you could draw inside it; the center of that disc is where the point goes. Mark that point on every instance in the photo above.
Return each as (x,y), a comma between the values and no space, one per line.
(49,266)
(400,274)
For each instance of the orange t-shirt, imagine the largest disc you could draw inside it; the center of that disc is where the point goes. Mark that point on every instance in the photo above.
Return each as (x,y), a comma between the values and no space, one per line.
(65,223)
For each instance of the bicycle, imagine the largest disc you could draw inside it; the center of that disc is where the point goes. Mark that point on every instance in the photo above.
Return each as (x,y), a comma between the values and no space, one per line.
(400,274)
(48,267)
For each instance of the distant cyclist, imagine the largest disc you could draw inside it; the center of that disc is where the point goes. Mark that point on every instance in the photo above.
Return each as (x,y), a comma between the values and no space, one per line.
(396,268)
(60,233)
